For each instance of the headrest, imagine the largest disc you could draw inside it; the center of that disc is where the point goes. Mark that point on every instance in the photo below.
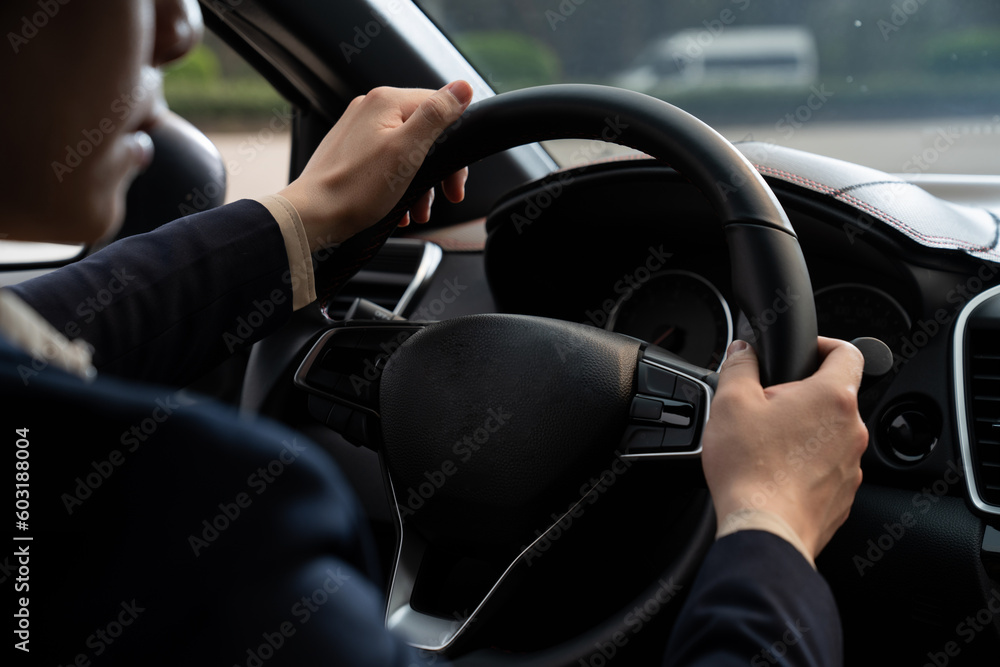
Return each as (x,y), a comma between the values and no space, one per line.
(187,175)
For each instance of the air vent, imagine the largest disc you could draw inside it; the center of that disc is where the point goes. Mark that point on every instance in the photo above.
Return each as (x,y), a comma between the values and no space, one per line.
(983,404)
(391,279)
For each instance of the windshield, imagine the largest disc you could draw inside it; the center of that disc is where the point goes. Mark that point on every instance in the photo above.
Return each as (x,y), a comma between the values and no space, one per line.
(907,86)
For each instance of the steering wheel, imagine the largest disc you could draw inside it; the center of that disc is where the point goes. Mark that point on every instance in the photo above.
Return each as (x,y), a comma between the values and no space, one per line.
(509,413)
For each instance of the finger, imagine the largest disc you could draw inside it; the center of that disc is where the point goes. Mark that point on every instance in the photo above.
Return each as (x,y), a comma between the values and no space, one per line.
(404,221)
(420,211)
(439,110)
(741,366)
(842,362)
(454,185)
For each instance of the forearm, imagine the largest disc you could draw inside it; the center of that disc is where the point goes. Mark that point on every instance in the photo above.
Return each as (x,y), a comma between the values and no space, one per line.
(167,306)
(756,600)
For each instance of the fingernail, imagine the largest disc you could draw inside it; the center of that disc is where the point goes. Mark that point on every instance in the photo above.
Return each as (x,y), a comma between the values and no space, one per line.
(461,90)
(736,347)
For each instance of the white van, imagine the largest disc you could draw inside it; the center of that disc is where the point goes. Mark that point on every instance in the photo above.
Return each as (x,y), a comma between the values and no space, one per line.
(726,56)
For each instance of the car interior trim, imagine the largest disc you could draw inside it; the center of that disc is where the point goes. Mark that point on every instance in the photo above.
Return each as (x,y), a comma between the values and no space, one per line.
(433,633)
(961,406)
(429,262)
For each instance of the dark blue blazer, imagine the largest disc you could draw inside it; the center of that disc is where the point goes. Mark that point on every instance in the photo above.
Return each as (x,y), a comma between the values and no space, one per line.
(168,529)
(756,601)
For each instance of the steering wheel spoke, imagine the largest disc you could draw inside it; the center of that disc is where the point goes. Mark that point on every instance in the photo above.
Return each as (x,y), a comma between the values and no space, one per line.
(669,409)
(342,374)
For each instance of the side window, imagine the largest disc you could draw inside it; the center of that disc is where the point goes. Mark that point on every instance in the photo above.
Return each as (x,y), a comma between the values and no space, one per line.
(246,119)
(239,111)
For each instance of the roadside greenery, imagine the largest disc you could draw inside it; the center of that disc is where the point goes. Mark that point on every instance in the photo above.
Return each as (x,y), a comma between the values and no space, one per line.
(216,90)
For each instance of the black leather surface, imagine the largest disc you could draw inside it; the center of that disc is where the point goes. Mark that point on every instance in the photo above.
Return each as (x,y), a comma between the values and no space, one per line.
(524,411)
(887,198)
(906,571)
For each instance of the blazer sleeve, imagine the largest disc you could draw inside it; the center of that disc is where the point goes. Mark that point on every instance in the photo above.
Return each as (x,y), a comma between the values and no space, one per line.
(757,601)
(166,306)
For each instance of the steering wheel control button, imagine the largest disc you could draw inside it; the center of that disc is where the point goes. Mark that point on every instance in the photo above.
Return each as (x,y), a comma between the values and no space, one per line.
(661,425)
(338,418)
(345,367)
(664,411)
(643,439)
(646,408)
(687,391)
(675,439)
(655,380)
(666,414)
(677,414)
(357,429)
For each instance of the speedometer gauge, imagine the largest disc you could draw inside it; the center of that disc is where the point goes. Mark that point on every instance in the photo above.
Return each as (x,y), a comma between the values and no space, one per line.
(679,311)
(850,310)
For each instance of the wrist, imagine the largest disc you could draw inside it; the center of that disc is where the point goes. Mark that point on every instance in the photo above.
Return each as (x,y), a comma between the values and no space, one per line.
(321,224)
(757,519)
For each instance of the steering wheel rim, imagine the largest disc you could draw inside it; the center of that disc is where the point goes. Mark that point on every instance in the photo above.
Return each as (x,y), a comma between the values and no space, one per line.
(765,255)
(753,219)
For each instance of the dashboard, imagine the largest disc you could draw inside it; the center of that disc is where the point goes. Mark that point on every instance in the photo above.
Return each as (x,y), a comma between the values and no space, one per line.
(684,313)
(634,248)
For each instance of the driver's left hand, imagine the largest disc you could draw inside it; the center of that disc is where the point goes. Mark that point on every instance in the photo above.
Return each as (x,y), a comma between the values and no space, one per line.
(367,160)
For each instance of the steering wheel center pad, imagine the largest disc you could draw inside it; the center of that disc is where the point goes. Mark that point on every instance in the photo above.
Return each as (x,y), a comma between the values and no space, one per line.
(516,438)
